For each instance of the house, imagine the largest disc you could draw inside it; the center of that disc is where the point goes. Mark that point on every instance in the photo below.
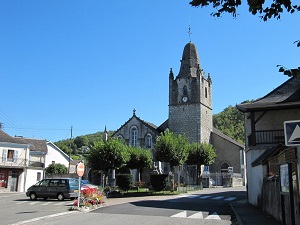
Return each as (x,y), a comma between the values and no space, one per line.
(266,150)
(24,160)
(190,114)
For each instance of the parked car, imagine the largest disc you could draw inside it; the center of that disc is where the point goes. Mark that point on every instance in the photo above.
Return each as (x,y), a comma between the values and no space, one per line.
(60,188)
(86,184)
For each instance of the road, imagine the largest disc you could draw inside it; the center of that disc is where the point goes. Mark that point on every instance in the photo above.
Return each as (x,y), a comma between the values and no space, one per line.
(208,206)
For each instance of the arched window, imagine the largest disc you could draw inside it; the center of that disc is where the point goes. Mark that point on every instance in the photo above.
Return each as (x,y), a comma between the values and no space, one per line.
(133,136)
(120,137)
(148,141)
(205,92)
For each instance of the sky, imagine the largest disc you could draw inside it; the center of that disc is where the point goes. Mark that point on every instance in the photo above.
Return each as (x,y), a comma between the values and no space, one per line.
(88,64)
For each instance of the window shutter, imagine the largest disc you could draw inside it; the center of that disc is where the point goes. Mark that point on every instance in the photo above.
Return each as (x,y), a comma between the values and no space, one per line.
(4,155)
(16,156)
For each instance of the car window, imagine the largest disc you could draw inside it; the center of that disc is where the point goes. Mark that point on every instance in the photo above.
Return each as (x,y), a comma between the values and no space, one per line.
(43,183)
(62,183)
(54,183)
(73,183)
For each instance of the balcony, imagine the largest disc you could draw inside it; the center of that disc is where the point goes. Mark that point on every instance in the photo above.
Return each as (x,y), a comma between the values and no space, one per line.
(19,163)
(266,137)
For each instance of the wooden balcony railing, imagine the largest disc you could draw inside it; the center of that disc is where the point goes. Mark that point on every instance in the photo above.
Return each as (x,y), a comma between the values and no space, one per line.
(266,137)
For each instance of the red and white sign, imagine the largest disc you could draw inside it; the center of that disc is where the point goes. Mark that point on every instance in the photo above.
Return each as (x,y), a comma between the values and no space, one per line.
(80,169)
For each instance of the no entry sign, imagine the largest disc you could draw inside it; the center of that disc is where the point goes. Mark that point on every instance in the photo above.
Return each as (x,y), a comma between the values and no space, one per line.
(80,169)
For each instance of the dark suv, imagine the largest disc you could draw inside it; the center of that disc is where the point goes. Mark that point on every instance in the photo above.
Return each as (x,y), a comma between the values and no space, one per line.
(59,188)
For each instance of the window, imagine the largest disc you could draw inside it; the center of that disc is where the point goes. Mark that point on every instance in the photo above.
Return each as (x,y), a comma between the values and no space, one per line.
(133,136)
(185,90)
(148,141)
(38,176)
(120,137)
(9,155)
(205,92)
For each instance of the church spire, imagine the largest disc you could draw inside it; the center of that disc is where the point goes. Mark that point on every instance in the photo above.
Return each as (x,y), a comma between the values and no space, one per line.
(190,63)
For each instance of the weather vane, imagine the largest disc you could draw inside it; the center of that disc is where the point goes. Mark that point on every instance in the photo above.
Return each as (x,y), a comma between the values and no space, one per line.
(190,32)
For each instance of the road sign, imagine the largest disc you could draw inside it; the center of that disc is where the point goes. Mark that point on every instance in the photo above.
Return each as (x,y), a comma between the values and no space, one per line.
(80,169)
(292,133)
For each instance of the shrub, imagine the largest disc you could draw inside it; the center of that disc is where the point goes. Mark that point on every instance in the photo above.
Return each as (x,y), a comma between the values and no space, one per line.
(124,181)
(159,181)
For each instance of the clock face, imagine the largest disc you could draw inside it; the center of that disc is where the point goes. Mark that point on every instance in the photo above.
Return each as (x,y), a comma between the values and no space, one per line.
(184,99)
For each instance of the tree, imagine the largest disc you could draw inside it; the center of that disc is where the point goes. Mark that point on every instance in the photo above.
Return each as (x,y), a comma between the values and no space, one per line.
(231,122)
(106,155)
(200,154)
(171,148)
(81,141)
(273,9)
(56,168)
(139,159)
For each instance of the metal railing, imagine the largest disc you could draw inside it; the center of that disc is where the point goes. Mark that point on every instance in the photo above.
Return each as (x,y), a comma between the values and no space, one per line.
(19,163)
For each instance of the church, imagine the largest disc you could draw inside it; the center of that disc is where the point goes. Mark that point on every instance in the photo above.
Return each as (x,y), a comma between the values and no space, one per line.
(190,114)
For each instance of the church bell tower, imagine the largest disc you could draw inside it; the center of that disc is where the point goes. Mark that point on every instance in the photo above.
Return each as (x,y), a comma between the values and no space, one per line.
(190,98)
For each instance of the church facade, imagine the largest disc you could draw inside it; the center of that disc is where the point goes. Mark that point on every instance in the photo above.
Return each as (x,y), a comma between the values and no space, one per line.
(190,114)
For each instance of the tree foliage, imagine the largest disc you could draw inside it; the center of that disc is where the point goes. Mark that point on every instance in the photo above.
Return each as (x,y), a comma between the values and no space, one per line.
(171,148)
(105,155)
(271,9)
(231,122)
(56,168)
(139,158)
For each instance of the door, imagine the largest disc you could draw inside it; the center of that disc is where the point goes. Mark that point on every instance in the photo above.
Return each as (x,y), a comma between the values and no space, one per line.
(14,181)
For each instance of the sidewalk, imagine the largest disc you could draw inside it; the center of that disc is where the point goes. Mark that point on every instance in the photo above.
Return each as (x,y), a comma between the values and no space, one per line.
(247,214)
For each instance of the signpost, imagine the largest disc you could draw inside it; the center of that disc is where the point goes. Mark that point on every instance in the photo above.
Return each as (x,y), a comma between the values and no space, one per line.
(80,172)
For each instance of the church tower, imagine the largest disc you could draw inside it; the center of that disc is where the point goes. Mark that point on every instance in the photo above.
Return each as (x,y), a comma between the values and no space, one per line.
(190,99)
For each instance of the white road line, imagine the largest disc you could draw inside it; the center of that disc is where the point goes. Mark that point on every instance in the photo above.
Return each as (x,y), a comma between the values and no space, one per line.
(198,215)
(33,203)
(218,197)
(60,203)
(213,216)
(47,203)
(19,203)
(182,214)
(230,199)
(43,217)
(205,197)
(192,196)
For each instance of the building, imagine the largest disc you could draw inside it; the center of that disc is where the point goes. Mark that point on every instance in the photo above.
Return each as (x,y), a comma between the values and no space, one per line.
(24,160)
(190,113)
(266,151)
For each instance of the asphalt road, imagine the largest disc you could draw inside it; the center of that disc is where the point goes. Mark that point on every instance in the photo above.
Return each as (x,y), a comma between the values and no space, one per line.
(209,206)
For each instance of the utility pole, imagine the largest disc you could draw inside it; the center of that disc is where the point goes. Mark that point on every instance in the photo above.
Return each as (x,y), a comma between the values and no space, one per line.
(70,148)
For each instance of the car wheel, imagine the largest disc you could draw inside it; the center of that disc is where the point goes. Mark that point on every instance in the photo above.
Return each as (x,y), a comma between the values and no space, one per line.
(60,196)
(33,196)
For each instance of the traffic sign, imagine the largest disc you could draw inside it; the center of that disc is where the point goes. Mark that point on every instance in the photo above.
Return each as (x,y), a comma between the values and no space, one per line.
(80,169)
(292,133)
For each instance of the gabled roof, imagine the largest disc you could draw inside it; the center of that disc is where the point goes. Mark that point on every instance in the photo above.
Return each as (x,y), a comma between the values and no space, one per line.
(263,158)
(147,124)
(4,137)
(35,144)
(220,134)
(286,96)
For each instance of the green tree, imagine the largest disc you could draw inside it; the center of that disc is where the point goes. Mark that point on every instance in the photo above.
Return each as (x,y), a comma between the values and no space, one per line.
(231,122)
(81,141)
(56,168)
(171,148)
(267,11)
(106,155)
(200,154)
(139,159)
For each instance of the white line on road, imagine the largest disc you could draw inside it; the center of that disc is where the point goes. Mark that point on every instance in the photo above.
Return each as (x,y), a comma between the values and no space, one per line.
(218,197)
(182,214)
(213,216)
(19,203)
(230,199)
(198,215)
(205,197)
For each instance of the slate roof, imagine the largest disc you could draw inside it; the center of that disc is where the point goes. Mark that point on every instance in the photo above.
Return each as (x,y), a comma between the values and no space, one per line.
(34,144)
(286,96)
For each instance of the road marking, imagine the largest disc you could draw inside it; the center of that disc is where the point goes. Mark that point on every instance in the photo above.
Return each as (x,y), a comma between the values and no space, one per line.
(33,203)
(19,203)
(60,203)
(218,197)
(198,215)
(43,217)
(47,203)
(192,196)
(230,199)
(182,214)
(213,216)
(205,197)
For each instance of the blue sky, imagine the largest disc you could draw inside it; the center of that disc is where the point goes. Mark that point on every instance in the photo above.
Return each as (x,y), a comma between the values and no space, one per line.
(88,64)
